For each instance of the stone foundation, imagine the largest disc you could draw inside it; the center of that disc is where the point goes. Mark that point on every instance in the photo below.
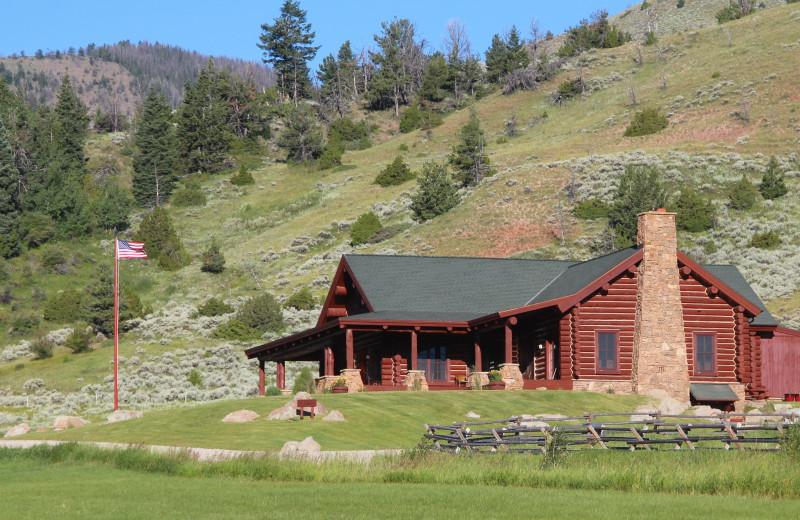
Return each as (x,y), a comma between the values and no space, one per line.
(324,383)
(478,380)
(416,378)
(353,378)
(603,386)
(512,376)
(739,390)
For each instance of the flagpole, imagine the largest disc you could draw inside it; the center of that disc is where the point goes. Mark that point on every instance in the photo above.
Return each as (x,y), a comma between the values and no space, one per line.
(116,323)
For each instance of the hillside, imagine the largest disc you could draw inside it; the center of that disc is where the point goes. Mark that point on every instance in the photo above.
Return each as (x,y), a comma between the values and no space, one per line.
(117,77)
(288,231)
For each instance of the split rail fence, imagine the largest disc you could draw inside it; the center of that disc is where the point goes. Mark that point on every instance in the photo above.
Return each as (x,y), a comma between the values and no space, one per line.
(653,431)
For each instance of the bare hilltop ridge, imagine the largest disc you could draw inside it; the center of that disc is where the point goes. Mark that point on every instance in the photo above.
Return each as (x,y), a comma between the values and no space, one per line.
(729,96)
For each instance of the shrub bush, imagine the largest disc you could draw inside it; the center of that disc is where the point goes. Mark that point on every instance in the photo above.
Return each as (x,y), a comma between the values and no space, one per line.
(732,12)
(242,177)
(195,378)
(767,240)
(53,256)
(397,172)
(301,300)
(36,229)
(162,242)
(570,88)
(23,323)
(213,307)
(79,340)
(409,119)
(304,382)
(190,194)
(645,122)
(272,390)
(773,184)
(235,329)
(42,349)
(591,209)
(364,227)
(346,131)
(261,313)
(742,195)
(63,307)
(331,155)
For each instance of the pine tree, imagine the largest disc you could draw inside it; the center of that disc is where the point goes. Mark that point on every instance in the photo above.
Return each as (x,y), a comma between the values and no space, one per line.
(469,155)
(287,46)
(435,193)
(773,184)
(742,195)
(154,164)
(437,81)
(400,63)
(496,59)
(9,208)
(301,137)
(638,190)
(518,57)
(72,126)
(212,260)
(204,133)
(694,212)
(162,242)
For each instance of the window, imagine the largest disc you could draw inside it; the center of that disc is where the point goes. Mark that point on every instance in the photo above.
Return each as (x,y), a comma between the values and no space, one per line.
(607,352)
(433,362)
(704,353)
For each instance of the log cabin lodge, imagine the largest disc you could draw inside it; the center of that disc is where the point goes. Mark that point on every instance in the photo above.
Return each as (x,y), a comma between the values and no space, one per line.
(640,319)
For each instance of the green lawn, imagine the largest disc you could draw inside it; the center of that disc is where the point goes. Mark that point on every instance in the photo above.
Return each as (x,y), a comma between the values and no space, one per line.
(32,489)
(377,420)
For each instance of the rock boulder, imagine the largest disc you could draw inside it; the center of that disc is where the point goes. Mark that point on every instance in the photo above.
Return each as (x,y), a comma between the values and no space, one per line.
(20,429)
(289,410)
(64,422)
(123,415)
(240,416)
(334,415)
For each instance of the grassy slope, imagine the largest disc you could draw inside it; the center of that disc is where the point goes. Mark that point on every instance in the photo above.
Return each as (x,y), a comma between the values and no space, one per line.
(378,420)
(510,214)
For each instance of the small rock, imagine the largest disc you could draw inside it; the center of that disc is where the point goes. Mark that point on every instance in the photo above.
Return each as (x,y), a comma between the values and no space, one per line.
(755,403)
(123,415)
(643,413)
(335,416)
(706,411)
(64,422)
(289,447)
(472,415)
(20,429)
(782,407)
(240,416)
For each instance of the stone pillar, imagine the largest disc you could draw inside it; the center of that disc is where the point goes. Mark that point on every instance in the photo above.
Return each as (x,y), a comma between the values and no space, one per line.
(478,380)
(416,378)
(262,379)
(325,383)
(659,345)
(512,376)
(353,378)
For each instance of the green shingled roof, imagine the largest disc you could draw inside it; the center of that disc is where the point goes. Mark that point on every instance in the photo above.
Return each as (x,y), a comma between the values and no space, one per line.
(426,288)
(712,392)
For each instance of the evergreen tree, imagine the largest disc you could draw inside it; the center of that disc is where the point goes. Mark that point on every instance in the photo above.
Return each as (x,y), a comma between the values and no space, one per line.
(112,207)
(154,164)
(204,134)
(301,137)
(437,81)
(400,63)
(287,46)
(469,155)
(162,242)
(212,260)
(518,57)
(694,212)
(435,193)
(9,208)
(72,124)
(97,305)
(248,110)
(773,184)
(638,190)
(397,172)
(742,195)
(496,58)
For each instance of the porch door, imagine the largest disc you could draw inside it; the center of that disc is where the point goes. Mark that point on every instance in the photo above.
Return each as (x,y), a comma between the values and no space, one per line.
(433,361)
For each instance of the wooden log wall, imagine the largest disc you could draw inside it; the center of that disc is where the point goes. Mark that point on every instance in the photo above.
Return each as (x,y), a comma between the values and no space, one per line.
(705,312)
(611,309)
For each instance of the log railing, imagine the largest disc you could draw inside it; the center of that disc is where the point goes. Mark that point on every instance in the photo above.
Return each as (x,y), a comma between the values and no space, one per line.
(654,431)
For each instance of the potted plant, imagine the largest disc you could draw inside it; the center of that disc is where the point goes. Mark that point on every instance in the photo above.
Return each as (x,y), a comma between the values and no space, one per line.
(788,397)
(495,380)
(339,385)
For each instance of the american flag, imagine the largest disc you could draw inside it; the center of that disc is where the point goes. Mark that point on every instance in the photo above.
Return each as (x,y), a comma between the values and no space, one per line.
(127,249)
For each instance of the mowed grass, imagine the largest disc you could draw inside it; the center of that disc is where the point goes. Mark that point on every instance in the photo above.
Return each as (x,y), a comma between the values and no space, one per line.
(71,481)
(377,420)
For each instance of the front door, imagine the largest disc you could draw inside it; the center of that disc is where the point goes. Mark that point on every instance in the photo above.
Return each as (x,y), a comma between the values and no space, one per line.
(433,361)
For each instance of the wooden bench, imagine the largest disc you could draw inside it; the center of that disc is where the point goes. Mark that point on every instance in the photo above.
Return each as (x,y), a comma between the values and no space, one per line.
(302,404)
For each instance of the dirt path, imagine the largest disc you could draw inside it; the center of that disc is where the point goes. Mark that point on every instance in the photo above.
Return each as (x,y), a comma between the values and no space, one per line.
(210,454)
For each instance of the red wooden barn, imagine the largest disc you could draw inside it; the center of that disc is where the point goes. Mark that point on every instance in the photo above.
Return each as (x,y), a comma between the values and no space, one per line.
(640,319)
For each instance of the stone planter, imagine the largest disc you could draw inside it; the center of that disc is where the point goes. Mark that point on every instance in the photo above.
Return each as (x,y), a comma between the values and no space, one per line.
(339,389)
(496,385)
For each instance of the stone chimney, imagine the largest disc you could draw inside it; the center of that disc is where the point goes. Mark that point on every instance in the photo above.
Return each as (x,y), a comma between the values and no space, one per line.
(659,344)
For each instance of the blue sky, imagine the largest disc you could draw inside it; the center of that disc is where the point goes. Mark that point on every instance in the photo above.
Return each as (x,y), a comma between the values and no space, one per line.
(232,27)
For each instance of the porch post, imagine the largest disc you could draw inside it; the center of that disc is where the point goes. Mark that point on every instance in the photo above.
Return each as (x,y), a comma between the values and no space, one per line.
(509,339)
(262,379)
(548,360)
(478,356)
(414,354)
(328,361)
(280,375)
(349,349)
